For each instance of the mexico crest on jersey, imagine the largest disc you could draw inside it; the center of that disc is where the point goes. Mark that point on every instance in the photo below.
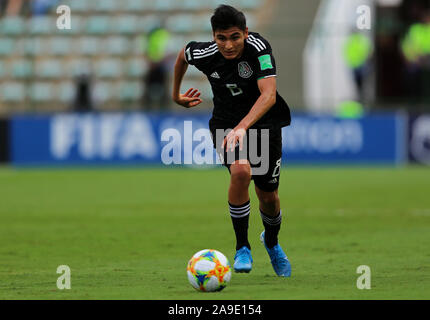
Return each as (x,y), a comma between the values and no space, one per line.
(245,70)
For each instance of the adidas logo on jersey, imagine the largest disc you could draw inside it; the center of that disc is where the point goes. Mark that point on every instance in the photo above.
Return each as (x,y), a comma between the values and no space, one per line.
(273,180)
(215,75)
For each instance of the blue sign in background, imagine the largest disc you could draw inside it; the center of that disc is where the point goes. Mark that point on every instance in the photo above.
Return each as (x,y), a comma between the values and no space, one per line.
(378,138)
(108,138)
(419,138)
(137,138)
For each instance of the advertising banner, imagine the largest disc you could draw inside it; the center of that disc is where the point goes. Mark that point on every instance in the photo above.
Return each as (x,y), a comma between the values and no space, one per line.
(419,139)
(371,139)
(178,139)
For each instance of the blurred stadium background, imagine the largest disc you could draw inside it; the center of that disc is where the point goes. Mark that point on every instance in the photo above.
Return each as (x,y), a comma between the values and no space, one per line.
(118,57)
(98,94)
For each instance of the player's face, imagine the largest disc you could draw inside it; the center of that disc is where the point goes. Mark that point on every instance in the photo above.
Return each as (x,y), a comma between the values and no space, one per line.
(231,42)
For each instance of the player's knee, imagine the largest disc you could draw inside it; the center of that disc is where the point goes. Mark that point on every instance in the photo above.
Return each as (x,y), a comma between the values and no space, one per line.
(240,174)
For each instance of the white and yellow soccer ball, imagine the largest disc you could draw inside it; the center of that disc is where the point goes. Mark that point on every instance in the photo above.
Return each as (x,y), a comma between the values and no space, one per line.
(209,270)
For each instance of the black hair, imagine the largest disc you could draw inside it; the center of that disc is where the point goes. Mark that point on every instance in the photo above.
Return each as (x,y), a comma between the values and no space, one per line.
(226,17)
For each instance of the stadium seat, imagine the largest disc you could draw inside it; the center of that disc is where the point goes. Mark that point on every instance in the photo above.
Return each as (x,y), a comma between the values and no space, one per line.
(251,21)
(109,68)
(203,23)
(41,25)
(21,69)
(164,5)
(102,91)
(176,43)
(13,92)
(148,23)
(76,67)
(136,67)
(66,92)
(2,69)
(79,6)
(116,45)
(249,4)
(201,37)
(125,24)
(136,6)
(129,91)
(50,69)
(60,46)
(192,71)
(177,5)
(195,5)
(34,46)
(106,5)
(12,26)
(216,3)
(182,23)
(89,46)
(138,45)
(98,24)
(6,46)
(41,92)
(18,47)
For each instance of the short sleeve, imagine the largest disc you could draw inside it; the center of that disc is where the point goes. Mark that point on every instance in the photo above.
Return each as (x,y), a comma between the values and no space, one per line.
(264,61)
(187,52)
(266,66)
(196,52)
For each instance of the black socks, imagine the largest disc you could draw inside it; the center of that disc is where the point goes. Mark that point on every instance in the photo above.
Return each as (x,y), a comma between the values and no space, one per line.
(272,225)
(240,218)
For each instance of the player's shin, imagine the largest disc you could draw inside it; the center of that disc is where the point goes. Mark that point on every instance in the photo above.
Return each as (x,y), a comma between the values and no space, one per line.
(272,225)
(240,219)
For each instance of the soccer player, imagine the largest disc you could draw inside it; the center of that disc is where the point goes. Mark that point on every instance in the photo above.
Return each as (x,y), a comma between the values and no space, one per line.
(241,70)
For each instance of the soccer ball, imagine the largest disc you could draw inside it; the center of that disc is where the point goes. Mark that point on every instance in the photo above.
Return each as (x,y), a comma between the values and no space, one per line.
(209,270)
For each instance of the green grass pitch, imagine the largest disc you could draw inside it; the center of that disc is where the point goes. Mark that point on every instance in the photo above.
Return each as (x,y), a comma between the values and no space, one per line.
(129,233)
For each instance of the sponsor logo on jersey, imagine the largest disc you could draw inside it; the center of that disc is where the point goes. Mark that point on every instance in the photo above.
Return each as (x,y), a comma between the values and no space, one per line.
(245,70)
(215,75)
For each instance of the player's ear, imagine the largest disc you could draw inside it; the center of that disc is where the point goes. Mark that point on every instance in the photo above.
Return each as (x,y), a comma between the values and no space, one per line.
(246,33)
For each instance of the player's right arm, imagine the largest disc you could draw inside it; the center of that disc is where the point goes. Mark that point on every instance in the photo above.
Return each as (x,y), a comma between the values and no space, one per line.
(191,98)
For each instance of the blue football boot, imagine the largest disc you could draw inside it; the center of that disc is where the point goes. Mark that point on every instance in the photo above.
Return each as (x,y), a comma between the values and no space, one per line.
(243,260)
(279,259)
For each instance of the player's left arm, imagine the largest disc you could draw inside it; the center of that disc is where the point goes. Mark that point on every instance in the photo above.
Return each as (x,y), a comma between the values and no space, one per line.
(267,99)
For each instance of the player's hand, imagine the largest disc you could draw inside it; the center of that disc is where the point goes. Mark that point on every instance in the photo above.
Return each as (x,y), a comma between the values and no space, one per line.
(233,137)
(189,99)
